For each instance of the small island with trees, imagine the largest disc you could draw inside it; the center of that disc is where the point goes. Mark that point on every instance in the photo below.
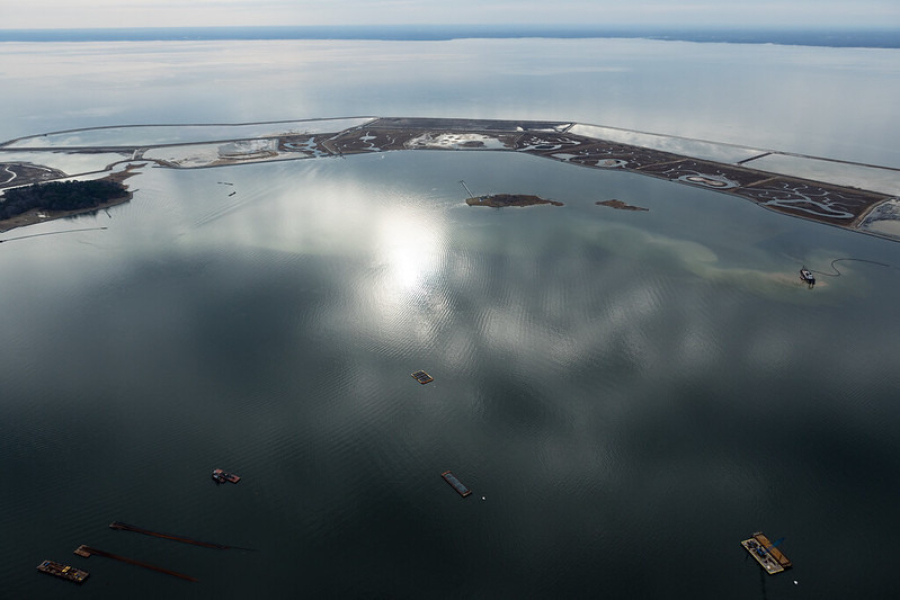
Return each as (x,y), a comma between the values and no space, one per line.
(619,205)
(44,201)
(504,200)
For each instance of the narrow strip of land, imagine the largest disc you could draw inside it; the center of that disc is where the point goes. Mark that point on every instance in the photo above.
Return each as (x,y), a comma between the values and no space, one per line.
(863,206)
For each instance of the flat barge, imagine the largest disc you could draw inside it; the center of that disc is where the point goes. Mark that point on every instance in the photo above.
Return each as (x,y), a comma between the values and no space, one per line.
(456,484)
(63,571)
(769,558)
(422,377)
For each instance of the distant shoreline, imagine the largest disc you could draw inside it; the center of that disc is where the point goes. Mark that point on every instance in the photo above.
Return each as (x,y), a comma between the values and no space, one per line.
(871,206)
(832,38)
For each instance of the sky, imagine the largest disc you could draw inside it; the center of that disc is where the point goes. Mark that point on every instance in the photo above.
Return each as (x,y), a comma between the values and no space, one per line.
(53,14)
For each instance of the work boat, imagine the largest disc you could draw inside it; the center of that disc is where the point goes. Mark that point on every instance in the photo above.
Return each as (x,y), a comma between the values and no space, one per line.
(807,276)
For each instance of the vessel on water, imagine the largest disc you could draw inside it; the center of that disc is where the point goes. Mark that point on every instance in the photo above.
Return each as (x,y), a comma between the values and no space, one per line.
(220,476)
(807,277)
(63,571)
(457,485)
(766,554)
(422,377)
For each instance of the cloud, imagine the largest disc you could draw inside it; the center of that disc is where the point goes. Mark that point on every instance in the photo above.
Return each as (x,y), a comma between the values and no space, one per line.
(601,13)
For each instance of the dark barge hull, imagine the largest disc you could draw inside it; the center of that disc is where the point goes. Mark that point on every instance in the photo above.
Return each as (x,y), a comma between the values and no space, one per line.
(456,483)
(63,571)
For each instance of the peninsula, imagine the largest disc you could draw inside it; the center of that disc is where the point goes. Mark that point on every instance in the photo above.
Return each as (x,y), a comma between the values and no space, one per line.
(854,196)
(39,202)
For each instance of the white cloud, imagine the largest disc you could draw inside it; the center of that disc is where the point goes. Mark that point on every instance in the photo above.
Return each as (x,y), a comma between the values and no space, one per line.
(36,14)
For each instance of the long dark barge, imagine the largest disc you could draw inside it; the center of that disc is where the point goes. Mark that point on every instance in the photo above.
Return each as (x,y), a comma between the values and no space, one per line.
(87,551)
(63,571)
(118,525)
(766,554)
(456,484)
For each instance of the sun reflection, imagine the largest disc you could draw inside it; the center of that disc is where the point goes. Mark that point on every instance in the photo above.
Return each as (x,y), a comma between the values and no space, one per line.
(408,253)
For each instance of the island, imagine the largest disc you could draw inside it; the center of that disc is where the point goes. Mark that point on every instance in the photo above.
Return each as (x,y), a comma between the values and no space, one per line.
(504,200)
(618,204)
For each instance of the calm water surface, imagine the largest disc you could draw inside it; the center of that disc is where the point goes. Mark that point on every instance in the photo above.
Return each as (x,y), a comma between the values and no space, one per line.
(627,394)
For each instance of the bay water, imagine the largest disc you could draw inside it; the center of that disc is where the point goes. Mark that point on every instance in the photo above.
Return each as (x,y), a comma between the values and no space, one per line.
(628,394)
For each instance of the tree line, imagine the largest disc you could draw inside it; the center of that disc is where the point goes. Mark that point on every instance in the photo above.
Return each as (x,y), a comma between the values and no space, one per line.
(59,196)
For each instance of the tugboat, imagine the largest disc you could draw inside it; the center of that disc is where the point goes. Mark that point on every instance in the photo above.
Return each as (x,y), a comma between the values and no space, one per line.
(807,277)
(220,476)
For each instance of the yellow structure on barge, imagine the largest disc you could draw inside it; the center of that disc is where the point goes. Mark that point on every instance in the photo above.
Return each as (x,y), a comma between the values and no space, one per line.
(769,558)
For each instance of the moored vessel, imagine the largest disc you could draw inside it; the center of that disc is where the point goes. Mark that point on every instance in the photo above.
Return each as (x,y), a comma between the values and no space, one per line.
(766,554)
(422,377)
(63,571)
(457,485)
(220,476)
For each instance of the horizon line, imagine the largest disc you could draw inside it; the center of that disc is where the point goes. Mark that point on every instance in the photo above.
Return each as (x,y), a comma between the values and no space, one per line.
(850,36)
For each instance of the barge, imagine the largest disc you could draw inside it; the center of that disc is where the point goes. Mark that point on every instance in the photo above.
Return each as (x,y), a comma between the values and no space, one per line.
(220,476)
(63,571)
(766,554)
(422,377)
(456,484)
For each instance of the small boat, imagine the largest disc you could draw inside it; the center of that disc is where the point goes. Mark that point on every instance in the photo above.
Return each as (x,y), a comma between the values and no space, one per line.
(807,277)
(220,476)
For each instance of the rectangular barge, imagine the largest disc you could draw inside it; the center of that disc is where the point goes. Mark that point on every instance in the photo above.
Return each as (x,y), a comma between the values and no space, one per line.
(769,558)
(422,377)
(456,483)
(63,571)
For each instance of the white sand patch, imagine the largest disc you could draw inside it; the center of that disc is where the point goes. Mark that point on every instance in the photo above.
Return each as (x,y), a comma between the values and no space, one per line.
(191,156)
(248,149)
(456,141)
